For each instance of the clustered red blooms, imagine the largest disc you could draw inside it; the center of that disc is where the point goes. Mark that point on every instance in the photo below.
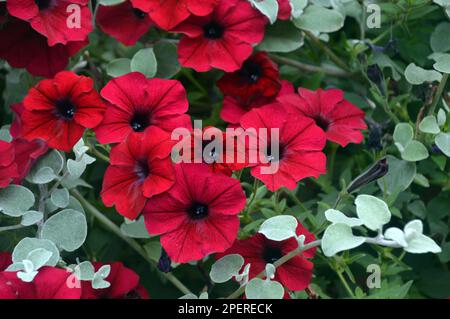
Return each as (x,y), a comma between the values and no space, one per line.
(58,283)
(194,208)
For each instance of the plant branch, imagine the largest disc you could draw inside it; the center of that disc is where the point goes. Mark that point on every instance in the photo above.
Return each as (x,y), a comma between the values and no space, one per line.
(438,95)
(131,242)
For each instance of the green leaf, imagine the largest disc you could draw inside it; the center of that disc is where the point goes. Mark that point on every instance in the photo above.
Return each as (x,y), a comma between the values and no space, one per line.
(372,211)
(441,117)
(400,175)
(403,133)
(396,235)
(269,8)
(111,2)
(144,61)
(442,63)
(99,282)
(297,7)
(335,217)
(414,152)
(153,250)
(15,200)
(417,75)
(67,229)
(60,197)
(282,36)
(429,125)
(264,289)
(27,245)
(339,237)
(319,19)
(76,168)
(43,176)
(418,243)
(167,59)
(118,67)
(279,228)
(85,271)
(226,267)
(31,217)
(46,168)
(440,41)
(39,257)
(443,142)
(135,229)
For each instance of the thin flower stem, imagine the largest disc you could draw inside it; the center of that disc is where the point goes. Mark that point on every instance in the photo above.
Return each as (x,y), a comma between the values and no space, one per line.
(438,95)
(13,227)
(131,242)
(344,282)
(98,154)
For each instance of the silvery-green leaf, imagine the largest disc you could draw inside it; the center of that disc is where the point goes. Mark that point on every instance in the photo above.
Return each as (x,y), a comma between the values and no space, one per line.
(67,229)
(135,229)
(421,180)
(282,36)
(226,267)
(144,61)
(52,160)
(5,135)
(396,235)
(27,276)
(279,228)
(16,267)
(403,133)
(417,75)
(443,142)
(80,149)
(441,117)
(297,7)
(189,296)
(111,2)
(442,63)
(264,289)
(27,265)
(118,67)
(372,211)
(399,177)
(335,216)
(167,59)
(270,271)
(203,295)
(60,197)
(415,226)
(27,245)
(99,282)
(104,271)
(43,176)
(15,200)
(85,271)
(339,237)
(429,125)
(31,217)
(39,257)
(75,204)
(75,168)
(316,18)
(420,244)
(70,182)
(414,152)
(439,41)
(269,8)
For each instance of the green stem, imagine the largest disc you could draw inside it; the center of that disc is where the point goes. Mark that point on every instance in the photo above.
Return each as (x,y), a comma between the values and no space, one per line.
(98,154)
(344,282)
(438,95)
(13,227)
(131,242)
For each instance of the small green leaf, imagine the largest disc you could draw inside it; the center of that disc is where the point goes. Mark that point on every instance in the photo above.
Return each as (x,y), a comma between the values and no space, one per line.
(15,200)
(442,63)
(339,237)
(443,142)
(403,133)
(264,289)
(396,235)
(27,245)
(99,282)
(144,61)
(417,75)
(316,18)
(372,211)
(279,228)
(283,36)
(60,197)
(269,8)
(440,41)
(135,229)
(67,229)
(111,2)
(118,67)
(441,117)
(400,175)
(335,216)
(39,257)
(414,152)
(226,267)
(31,217)
(52,160)
(85,271)
(429,125)
(167,59)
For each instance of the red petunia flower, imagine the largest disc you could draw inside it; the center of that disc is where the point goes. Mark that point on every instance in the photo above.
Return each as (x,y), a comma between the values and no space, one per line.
(124,284)
(295,274)
(169,13)
(233,108)
(137,103)
(284,9)
(23,47)
(123,22)
(140,168)
(49,283)
(198,215)
(8,167)
(26,152)
(224,39)
(258,76)
(60,21)
(300,144)
(59,110)
(339,119)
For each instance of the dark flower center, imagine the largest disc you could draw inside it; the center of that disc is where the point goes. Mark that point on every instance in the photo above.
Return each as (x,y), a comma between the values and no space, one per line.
(251,71)
(133,294)
(323,123)
(198,211)
(142,170)
(139,122)
(65,108)
(43,4)
(213,30)
(275,157)
(272,254)
(138,13)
